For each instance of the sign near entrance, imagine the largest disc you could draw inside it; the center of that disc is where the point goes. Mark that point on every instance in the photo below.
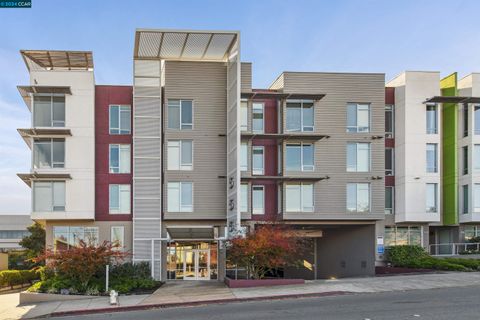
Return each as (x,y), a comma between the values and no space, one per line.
(380,246)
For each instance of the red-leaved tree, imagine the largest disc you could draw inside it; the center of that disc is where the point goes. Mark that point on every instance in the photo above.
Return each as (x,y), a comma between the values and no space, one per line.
(269,247)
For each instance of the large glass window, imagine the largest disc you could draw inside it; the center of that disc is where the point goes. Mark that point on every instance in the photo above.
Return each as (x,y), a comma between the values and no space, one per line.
(244,156)
(431,198)
(432,119)
(465,199)
(258,200)
(476,157)
(67,237)
(13,234)
(244,197)
(119,199)
(299,157)
(49,110)
(117,236)
(477,119)
(299,197)
(180,197)
(389,162)
(402,236)
(389,120)
(180,114)
(389,200)
(358,197)
(432,157)
(476,198)
(258,163)
(471,232)
(119,158)
(358,157)
(358,117)
(180,155)
(465,160)
(120,119)
(300,116)
(244,116)
(48,153)
(48,196)
(465,120)
(257,117)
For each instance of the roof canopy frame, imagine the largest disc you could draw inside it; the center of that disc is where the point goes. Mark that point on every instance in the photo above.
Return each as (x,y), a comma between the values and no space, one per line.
(57,60)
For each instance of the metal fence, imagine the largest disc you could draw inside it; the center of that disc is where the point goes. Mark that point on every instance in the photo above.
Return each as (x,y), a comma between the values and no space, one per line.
(452,249)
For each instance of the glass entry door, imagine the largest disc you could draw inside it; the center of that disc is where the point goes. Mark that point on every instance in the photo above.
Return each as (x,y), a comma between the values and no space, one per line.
(196,264)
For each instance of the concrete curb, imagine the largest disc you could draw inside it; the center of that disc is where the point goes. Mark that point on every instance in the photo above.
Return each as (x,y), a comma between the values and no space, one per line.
(191,304)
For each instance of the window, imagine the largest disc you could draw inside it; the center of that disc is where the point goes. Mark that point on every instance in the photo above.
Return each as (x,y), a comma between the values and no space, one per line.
(119,199)
(389,162)
(48,196)
(180,155)
(465,120)
(389,120)
(476,157)
(477,119)
(117,236)
(476,198)
(66,237)
(465,159)
(299,157)
(49,110)
(299,197)
(471,232)
(358,197)
(432,119)
(358,157)
(258,202)
(358,117)
(257,117)
(465,199)
(300,116)
(432,198)
(13,234)
(180,197)
(119,158)
(244,197)
(120,119)
(279,199)
(48,153)
(258,161)
(180,114)
(243,116)
(389,200)
(244,156)
(432,157)
(402,236)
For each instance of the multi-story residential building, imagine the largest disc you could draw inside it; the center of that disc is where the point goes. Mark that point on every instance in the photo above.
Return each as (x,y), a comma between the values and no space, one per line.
(12,229)
(191,155)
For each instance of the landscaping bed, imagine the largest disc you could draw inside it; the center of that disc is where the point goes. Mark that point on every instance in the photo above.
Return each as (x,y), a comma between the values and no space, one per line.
(249,283)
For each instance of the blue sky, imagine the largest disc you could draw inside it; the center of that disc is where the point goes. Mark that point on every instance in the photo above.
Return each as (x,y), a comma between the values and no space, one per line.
(356,36)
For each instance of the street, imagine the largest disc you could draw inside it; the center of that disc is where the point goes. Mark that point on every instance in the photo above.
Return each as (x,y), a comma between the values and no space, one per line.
(438,304)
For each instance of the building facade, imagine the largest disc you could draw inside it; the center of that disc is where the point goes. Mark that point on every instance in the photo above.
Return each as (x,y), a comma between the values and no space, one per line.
(191,155)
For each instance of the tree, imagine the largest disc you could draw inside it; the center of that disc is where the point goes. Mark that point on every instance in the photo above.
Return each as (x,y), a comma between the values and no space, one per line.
(35,241)
(269,247)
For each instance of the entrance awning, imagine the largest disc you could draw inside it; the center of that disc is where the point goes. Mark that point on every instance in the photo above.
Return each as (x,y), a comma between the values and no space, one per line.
(454,99)
(191,232)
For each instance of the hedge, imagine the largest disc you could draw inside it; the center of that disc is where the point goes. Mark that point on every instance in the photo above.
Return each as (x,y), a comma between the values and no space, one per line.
(18,277)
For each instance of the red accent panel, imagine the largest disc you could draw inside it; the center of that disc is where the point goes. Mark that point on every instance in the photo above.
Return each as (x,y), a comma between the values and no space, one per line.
(104,97)
(270,193)
(389,181)
(389,95)
(389,143)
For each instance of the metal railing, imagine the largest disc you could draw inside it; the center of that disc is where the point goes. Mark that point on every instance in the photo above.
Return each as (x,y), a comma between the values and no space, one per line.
(452,249)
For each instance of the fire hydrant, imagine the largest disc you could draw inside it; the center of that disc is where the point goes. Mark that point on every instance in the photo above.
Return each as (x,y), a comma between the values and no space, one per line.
(113,297)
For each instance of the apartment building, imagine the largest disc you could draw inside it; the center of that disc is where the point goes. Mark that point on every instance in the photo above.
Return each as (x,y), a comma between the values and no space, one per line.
(191,155)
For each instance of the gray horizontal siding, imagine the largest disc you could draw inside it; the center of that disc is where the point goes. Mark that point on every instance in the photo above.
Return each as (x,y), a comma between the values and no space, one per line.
(246,77)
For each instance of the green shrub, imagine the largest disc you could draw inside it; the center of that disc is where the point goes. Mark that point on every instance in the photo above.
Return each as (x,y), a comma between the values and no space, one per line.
(473,264)
(403,255)
(17,277)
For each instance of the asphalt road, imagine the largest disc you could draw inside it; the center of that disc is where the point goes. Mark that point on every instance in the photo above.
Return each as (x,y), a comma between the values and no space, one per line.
(438,304)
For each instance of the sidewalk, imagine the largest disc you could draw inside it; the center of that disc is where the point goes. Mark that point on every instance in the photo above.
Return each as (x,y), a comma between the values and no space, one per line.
(191,292)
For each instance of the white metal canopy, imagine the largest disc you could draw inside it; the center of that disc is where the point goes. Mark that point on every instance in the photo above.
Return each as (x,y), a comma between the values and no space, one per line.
(184,44)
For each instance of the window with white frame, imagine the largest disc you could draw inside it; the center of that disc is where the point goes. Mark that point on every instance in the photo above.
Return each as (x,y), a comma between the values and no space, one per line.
(299,157)
(476,198)
(180,196)
(432,157)
(358,157)
(66,237)
(180,155)
(402,236)
(258,161)
(244,197)
(431,197)
(358,197)
(244,156)
(48,196)
(476,119)
(119,158)
(389,200)
(258,200)
(117,236)
(476,157)
(48,153)
(389,120)
(299,197)
(49,110)
(471,232)
(244,115)
(257,117)
(279,199)
(432,119)
(465,160)
(120,119)
(300,116)
(180,114)
(389,161)
(358,117)
(119,199)
(465,199)
(465,119)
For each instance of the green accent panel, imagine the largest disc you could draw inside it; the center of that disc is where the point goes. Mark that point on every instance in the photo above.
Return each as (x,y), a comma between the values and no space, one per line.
(448,86)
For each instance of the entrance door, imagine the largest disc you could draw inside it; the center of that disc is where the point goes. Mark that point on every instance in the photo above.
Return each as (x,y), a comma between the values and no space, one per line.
(196,264)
